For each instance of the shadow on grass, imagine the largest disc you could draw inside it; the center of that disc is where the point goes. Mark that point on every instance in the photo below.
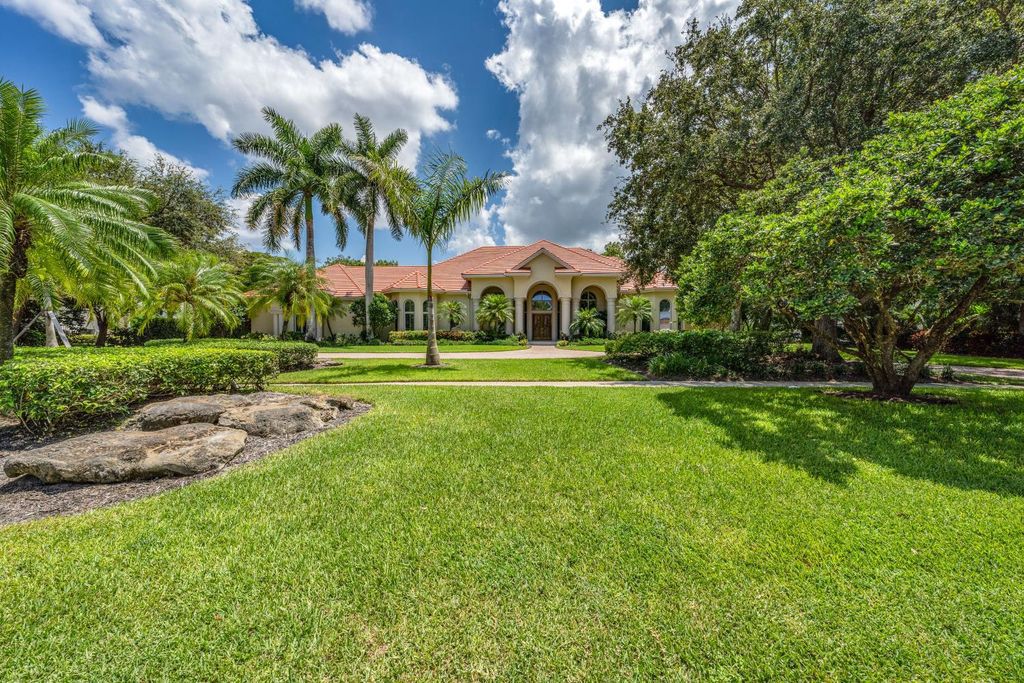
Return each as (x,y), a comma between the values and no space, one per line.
(977,444)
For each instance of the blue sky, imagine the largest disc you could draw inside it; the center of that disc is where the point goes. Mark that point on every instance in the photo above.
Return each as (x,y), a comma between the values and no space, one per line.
(518,86)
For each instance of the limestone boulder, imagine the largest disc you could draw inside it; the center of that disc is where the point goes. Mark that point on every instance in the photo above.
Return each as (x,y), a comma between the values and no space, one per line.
(109,457)
(276,419)
(185,410)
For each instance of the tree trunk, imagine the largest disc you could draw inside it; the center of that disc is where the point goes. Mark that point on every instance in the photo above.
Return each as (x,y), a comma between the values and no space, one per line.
(825,328)
(8,282)
(51,331)
(433,355)
(736,319)
(368,293)
(102,328)
(311,325)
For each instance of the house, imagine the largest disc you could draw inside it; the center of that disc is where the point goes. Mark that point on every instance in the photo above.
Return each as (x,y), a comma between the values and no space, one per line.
(546,282)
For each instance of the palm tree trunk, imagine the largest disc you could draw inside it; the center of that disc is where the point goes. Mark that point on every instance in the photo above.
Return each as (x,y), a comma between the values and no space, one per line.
(311,327)
(8,282)
(368,294)
(102,328)
(433,355)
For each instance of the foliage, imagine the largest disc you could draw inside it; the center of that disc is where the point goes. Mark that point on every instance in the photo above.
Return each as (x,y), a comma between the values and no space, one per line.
(195,290)
(419,337)
(383,314)
(588,323)
(374,182)
(454,312)
(730,349)
(910,233)
(291,355)
(343,260)
(49,210)
(56,387)
(746,94)
(634,309)
(445,198)
(494,312)
(292,286)
(614,249)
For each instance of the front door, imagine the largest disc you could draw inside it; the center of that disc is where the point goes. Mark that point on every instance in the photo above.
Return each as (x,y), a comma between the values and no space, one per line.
(542,326)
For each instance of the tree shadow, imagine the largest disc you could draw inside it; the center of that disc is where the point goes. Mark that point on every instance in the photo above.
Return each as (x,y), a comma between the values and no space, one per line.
(977,444)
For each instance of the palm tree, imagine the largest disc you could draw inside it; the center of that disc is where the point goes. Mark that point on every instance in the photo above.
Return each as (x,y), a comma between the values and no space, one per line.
(588,323)
(197,291)
(454,311)
(635,308)
(374,181)
(494,312)
(446,197)
(295,170)
(293,287)
(48,209)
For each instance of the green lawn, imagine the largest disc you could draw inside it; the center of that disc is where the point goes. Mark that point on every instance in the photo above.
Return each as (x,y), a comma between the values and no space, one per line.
(585,347)
(509,369)
(546,533)
(976,361)
(445,348)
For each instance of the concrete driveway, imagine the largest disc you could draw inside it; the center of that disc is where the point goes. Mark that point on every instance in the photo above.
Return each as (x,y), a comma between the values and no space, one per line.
(532,351)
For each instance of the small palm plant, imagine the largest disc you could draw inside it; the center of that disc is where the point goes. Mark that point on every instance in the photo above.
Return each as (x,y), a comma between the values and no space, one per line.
(495,312)
(292,286)
(635,309)
(454,312)
(197,291)
(588,323)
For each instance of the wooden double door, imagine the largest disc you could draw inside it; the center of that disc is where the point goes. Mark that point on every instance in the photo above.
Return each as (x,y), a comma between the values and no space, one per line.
(542,326)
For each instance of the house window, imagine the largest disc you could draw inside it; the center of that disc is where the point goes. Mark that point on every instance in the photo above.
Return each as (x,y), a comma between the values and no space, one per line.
(664,314)
(541,302)
(410,315)
(588,300)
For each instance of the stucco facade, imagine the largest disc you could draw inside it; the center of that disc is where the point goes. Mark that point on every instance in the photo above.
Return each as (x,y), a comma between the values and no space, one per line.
(546,283)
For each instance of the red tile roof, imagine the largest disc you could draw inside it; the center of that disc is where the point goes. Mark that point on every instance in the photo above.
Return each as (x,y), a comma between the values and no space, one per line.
(450,275)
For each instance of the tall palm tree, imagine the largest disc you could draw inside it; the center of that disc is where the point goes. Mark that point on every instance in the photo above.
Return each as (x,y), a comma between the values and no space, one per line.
(374,181)
(47,208)
(295,171)
(635,308)
(293,287)
(446,197)
(197,291)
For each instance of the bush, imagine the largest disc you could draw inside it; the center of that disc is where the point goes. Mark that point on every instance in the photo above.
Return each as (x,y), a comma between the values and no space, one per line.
(731,350)
(419,337)
(291,355)
(52,387)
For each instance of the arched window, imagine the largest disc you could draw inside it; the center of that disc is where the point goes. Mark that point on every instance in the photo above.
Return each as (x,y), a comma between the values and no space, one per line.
(410,314)
(665,314)
(588,299)
(541,302)
(426,315)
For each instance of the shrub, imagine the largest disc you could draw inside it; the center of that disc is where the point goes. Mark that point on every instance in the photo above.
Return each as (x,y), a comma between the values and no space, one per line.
(291,355)
(52,387)
(727,349)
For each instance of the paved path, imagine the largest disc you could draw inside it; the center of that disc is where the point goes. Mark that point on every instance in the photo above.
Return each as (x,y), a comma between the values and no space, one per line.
(643,384)
(532,352)
(1004,373)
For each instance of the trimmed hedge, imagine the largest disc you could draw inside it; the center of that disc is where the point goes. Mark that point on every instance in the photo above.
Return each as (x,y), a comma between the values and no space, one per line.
(291,355)
(58,386)
(419,337)
(728,349)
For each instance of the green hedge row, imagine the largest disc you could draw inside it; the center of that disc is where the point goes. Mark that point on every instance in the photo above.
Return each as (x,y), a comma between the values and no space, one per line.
(53,387)
(291,355)
(732,350)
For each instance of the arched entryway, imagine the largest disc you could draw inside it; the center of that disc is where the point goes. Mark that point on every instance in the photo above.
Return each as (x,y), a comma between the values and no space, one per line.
(541,309)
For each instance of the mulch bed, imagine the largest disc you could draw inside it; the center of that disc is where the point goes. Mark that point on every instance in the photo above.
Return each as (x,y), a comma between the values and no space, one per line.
(26,498)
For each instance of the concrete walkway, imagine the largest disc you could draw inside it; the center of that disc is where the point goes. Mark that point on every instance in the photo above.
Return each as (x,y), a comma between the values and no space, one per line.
(533,351)
(1003,373)
(643,384)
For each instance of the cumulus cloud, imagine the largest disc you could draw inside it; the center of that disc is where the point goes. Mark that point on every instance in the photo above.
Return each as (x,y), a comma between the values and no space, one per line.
(136,146)
(570,63)
(347,16)
(480,231)
(208,61)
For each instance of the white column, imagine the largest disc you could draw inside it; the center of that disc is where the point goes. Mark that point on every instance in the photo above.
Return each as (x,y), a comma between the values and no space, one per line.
(612,310)
(519,304)
(563,316)
(278,324)
(474,305)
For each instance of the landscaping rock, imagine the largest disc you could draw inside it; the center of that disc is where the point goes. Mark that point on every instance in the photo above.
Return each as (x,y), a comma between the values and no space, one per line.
(186,410)
(109,457)
(274,419)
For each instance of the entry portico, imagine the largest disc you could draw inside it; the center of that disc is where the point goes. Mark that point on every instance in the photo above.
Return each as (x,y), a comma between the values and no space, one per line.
(546,283)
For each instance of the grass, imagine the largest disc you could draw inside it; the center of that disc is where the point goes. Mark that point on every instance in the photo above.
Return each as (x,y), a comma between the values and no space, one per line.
(546,533)
(398,348)
(584,347)
(945,358)
(509,369)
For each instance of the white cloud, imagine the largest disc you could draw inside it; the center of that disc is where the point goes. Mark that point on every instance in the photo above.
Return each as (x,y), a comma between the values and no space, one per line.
(70,19)
(570,63)
(136,146)
(478,232)
(250,239)
(347,16)
(495,134)
(208,61)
